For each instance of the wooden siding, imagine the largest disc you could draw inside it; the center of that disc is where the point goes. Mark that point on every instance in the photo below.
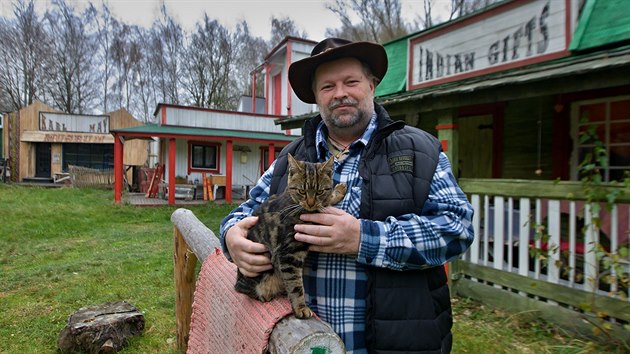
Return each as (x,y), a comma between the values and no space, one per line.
(242,174)
(521,139)
(136,151)
(219,120)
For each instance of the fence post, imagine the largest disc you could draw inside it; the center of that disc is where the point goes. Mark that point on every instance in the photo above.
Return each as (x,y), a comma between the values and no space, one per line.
(184,269)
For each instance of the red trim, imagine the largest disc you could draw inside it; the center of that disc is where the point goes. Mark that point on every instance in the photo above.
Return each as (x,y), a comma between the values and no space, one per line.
(254,92)
(207,170)
(118,168)
(267,84)
(277,94)
(444,143)
(201,137)
(286,69)
(163,115)
(228,171)
(272,154)
(446,126)
(171,171)
(285,40)
(457,24)
(567,24)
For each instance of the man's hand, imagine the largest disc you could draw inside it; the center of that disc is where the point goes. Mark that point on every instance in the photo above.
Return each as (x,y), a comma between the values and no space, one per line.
(334,231)
(250,257)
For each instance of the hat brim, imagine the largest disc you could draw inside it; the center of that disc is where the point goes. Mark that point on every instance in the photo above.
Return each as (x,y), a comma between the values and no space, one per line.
(301,72)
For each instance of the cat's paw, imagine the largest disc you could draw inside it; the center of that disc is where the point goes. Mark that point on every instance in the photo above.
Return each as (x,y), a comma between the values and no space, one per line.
(303,312)
(341,188)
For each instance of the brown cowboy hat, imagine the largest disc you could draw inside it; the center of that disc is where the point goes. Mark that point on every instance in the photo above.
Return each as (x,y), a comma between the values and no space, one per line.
(301,72)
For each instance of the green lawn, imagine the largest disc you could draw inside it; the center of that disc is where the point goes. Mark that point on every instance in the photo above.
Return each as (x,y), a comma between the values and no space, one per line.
(63,249)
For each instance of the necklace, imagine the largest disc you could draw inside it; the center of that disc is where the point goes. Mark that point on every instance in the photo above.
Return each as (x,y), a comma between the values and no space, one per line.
(337,149)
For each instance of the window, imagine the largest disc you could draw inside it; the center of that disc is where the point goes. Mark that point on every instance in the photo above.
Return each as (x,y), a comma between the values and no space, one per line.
(611,120)
(265,157)
(97,156)
(203,157)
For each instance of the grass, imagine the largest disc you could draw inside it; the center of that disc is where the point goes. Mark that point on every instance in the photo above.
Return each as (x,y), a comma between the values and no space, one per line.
(63,249)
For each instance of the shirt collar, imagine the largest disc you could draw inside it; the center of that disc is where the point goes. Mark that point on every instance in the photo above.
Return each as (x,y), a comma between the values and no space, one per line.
(321,136)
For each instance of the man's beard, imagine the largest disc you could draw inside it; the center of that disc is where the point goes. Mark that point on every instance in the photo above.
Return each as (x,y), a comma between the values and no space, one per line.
(362,113)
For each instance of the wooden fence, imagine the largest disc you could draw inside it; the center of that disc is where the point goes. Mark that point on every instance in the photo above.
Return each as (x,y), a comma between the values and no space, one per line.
(90,177)
(540,248)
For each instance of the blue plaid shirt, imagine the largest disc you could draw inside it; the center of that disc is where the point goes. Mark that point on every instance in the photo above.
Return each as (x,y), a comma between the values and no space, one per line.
(335,285)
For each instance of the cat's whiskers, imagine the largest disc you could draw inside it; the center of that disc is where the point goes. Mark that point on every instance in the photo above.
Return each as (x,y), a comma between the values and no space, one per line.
(291,210)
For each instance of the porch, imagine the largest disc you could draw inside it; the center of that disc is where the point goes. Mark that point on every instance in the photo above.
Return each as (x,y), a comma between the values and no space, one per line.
(541,248)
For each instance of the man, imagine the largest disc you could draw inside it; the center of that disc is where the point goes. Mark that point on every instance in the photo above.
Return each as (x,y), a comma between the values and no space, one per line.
(375,271)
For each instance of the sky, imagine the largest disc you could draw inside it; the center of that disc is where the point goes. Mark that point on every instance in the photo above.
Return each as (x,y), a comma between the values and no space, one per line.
(309,15)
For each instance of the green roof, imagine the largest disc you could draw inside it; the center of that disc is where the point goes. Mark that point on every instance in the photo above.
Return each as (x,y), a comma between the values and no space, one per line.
(395,80)
(162,130)
(602,22)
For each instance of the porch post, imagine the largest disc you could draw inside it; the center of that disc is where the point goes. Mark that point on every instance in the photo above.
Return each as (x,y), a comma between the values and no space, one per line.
(171,171)
(448,135)
(272,154)
(118,168)
(228,171)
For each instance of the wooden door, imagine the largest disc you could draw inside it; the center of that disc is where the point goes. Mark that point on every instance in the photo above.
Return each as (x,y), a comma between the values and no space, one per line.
(42,160)
(475,147)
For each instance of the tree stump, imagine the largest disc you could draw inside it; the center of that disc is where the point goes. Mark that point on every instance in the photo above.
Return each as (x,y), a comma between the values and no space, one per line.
(103,328)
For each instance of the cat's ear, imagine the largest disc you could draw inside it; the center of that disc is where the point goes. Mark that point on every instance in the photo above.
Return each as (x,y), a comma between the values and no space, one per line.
(293,163)
(329,163)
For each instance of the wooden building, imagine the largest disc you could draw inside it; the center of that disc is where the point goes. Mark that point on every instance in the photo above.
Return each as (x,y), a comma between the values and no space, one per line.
(509,92)
(234,147)
(40,143)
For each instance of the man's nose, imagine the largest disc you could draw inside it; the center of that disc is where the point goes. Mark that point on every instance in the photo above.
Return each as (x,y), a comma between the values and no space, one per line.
(340,91)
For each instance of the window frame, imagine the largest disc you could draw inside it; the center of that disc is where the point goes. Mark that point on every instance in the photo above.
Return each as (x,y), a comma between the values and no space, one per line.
(217,146)
(605,123)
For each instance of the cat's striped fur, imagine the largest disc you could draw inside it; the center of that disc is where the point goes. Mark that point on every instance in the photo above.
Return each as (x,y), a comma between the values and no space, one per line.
(309,190)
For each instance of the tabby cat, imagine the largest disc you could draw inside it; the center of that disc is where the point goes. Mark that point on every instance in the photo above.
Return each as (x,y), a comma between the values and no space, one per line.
(309,190)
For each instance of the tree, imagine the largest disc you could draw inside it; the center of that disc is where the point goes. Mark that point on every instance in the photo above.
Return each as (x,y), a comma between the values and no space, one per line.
(284,27)
(379,20)
(167,47)
(70,72)
(23,43)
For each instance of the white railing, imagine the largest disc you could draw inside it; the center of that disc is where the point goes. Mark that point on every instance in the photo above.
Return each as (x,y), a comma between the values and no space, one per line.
(539,248)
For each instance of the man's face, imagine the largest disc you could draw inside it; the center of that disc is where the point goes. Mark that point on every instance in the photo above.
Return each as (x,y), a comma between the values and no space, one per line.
(343,93)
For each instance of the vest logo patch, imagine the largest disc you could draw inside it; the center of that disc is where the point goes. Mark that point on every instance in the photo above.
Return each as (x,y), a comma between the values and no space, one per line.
(402,163)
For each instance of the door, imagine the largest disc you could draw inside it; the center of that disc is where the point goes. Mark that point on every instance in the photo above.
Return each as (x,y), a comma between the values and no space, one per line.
(475,147)
(42,160)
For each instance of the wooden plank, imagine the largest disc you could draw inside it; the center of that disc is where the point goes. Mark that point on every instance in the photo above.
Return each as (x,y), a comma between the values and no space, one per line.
(184,271)
(531,189)
(564,295)
(524,306)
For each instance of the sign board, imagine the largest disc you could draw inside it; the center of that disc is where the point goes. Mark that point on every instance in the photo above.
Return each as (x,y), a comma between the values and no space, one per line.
(507,36)
(74,123)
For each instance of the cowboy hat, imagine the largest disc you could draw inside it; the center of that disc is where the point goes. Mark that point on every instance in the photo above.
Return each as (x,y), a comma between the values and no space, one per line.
(302,71)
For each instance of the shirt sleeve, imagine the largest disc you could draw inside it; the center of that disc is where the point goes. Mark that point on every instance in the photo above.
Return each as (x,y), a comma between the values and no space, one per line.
(442,232)
(257,196)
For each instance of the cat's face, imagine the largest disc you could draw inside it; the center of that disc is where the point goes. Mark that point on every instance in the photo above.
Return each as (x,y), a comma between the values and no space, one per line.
(310,184)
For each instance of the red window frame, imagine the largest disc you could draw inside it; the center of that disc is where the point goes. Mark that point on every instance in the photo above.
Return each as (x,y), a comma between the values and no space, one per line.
(199,169)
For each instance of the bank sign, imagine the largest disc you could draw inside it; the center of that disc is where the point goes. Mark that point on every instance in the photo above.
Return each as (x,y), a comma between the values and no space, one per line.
(510,35)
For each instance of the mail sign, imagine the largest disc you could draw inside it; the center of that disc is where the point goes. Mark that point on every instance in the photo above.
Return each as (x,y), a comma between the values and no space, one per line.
(509,35)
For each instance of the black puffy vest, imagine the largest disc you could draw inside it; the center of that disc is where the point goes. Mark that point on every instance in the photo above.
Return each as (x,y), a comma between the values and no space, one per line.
(407,311)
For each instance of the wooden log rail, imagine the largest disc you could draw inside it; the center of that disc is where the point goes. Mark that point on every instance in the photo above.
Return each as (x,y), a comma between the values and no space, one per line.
(194,241)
